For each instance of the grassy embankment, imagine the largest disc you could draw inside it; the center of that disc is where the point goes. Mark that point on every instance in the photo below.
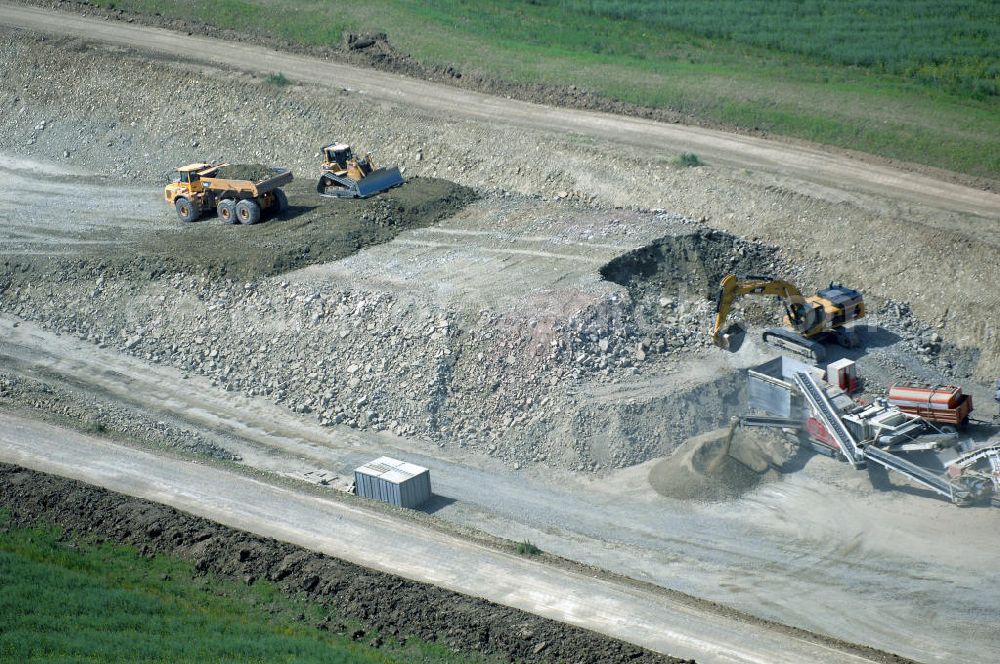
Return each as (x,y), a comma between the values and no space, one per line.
(918,83)
(70,600)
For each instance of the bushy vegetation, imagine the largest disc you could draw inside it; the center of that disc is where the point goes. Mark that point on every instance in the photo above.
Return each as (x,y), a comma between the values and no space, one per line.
(278,79)
(70,600)
(526,548)
(952,43)
(689,159)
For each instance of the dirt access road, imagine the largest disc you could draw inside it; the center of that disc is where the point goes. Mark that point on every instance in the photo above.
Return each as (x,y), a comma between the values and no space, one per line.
(394,545)
(829,176)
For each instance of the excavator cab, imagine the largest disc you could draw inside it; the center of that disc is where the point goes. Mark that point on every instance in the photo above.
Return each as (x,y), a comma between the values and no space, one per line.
(805,315)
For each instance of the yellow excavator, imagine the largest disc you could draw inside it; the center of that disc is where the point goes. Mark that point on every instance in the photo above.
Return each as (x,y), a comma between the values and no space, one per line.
(808,320)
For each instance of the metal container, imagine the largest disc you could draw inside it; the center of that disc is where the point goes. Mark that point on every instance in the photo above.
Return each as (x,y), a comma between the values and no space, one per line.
(771,390)
(944,404)
(393,481)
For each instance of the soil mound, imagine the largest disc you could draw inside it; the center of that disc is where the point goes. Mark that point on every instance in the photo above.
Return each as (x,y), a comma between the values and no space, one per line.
(312,230)
(693,263)
(711,467)
(252,172)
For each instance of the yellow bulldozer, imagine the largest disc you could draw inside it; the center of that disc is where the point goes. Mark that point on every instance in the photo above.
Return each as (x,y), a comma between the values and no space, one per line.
(808,320)
(343,175)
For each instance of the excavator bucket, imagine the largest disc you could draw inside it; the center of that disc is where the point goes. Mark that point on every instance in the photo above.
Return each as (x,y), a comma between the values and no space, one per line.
(379,180)
(732,338)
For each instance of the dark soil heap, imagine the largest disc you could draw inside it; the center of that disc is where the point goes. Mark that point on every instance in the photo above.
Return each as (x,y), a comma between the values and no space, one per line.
(252,172)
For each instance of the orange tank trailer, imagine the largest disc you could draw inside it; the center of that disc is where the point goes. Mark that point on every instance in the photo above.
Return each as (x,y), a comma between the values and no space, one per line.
(944,404)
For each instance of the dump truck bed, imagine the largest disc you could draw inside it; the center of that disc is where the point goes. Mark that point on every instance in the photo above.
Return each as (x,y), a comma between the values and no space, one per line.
(279,178)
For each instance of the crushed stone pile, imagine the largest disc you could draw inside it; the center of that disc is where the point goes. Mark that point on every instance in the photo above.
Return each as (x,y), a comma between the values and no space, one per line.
(393,362)
(707,468)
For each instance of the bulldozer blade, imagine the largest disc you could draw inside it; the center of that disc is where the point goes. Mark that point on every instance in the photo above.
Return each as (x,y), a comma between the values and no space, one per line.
(379,180)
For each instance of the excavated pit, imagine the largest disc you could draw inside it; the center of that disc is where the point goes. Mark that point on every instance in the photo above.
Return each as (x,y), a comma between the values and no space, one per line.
(689,265)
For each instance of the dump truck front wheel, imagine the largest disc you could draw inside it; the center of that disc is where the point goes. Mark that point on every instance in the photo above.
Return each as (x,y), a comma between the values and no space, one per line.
(227,211)
(280,200)
(248,211)
(186,210)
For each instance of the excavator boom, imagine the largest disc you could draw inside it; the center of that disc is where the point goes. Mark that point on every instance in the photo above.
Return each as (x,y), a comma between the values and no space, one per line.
(732,288)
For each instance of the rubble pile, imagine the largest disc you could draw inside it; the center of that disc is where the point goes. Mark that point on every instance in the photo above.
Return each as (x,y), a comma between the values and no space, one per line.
(372,360)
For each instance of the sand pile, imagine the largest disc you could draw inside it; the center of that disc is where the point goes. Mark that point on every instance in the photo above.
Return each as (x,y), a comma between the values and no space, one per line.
(711,468)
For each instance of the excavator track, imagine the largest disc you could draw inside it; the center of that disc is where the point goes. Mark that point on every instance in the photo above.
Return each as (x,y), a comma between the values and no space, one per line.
(782,338)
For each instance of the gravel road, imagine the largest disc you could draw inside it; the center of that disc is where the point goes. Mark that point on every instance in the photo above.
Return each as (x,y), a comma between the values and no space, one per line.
(812,165)
(378,541)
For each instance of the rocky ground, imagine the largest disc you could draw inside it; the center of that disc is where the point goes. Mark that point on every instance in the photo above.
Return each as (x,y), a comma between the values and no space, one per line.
(68,407)
(507,373)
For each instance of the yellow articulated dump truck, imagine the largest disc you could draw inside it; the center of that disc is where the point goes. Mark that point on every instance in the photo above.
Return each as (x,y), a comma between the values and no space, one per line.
(238,193)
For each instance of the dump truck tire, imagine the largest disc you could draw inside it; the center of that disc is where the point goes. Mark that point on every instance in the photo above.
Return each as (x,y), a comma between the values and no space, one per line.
(280,200)
(248,211)
(227,211)
(186,210)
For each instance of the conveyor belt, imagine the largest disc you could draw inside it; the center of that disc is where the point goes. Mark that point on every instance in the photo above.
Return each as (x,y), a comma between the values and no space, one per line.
(973,456)
(932,481)
(828,416)
(770,422)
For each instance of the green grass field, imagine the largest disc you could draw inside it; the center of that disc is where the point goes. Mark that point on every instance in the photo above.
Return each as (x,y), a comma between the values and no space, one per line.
(917,81)
(74,601)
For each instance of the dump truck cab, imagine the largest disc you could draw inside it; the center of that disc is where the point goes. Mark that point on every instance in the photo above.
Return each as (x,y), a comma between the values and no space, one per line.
(188,183)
